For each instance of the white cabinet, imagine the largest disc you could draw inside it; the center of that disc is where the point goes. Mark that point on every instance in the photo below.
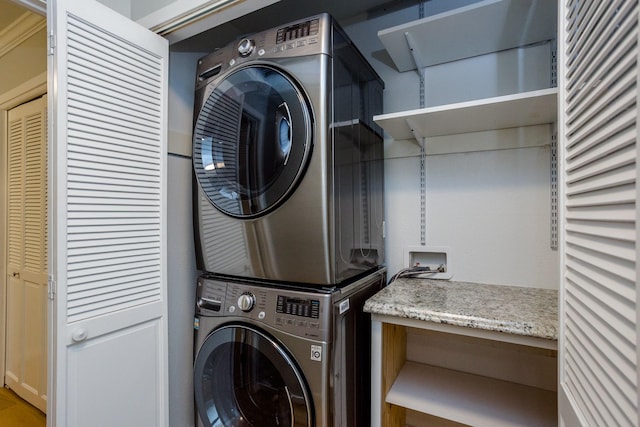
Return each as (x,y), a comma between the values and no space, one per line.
(414,392)
(467,353)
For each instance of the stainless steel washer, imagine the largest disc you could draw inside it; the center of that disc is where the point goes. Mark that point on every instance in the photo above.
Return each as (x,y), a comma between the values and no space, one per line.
(288,160)
(269,356)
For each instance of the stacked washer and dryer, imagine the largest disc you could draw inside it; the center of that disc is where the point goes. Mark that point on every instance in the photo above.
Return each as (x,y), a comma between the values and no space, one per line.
(289,228)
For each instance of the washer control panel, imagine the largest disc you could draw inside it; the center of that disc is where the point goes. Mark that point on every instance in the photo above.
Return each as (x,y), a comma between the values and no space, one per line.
(302,313)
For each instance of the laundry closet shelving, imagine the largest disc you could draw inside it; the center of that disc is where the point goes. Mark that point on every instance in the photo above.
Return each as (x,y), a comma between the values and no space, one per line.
(481,28)
(408,387)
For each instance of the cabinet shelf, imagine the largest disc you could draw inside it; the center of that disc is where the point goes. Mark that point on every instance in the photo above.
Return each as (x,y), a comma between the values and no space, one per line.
(522,109)
(480,28)
(471,399)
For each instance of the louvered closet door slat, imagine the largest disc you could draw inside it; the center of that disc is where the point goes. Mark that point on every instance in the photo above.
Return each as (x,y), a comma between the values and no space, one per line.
(578,20)
(117,48)
(613,174)
(604,147)
(587,52)
(35,259)
(114,187)
(617,156)
(15,188)
(116,96)
(129,117)
(617,213)
(84,65)
(611,230)
(598,353)
(606,126)
(619,73)
(109,86)
(602,261)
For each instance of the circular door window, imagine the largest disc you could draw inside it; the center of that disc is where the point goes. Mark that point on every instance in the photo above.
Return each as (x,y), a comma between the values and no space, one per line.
(252,139)
(243,377)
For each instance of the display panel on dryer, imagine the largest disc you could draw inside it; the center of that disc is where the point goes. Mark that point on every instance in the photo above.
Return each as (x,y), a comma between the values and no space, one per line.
(298,307)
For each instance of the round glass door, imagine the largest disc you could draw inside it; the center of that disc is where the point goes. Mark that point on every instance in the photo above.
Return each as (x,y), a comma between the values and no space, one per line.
(243,378)
(252,139)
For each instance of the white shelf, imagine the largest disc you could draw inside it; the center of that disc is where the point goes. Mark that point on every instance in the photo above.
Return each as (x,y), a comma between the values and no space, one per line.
(471,399)
(522,109)
(480,28)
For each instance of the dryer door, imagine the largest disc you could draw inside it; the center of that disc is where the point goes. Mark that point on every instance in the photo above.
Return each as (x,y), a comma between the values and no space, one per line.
(252,139)
(243,377)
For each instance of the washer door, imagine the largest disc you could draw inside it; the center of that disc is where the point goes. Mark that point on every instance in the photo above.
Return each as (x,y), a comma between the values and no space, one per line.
(252,139)
(242,377)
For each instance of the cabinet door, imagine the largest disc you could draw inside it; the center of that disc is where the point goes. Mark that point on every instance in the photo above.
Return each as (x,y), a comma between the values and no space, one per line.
(107,129)
(598,135)
(27,253)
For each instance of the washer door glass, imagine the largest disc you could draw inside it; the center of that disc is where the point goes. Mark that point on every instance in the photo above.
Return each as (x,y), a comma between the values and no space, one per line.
(242,377)
(251,142)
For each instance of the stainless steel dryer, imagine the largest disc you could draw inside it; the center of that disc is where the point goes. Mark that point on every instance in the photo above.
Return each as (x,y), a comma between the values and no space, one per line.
(268,356)
(288,160)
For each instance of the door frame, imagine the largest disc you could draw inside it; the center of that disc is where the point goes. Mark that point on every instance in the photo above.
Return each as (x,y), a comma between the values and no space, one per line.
(31,89)
(35,6)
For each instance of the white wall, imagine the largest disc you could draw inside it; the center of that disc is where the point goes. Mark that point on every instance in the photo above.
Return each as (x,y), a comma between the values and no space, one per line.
(26,61)
(181,254)
(487,193)
(181,292)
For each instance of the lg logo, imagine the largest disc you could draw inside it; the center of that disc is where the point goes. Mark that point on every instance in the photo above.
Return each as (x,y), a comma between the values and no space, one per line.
(316,353)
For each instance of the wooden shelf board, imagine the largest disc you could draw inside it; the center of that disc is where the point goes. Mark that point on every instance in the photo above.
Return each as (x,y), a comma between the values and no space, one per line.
(524,340)
(471,399)
(477,29)
(509,111)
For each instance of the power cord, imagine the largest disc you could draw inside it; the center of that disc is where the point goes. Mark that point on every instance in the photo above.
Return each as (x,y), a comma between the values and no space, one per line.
(417,271)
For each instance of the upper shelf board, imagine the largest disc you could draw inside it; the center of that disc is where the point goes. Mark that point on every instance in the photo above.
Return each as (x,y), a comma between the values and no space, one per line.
(477,29)
(509,111)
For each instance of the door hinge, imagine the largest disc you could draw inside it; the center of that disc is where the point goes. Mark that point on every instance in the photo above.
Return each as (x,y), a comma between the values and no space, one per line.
(51,288)
(51,44)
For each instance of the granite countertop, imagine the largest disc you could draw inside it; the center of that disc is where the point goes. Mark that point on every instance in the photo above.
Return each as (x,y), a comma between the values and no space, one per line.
(510,309)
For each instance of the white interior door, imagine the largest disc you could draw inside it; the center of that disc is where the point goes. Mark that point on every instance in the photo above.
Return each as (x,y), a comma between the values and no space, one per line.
(26,334)
(108,82)
(599,289)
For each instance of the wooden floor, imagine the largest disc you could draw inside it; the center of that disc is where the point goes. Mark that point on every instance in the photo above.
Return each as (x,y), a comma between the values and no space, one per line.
(15,412)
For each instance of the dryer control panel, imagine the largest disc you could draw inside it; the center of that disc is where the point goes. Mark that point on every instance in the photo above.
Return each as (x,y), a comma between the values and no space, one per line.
(310,36)
(298,312)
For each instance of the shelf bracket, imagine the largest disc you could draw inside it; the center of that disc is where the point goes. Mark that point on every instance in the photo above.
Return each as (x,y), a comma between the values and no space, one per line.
(413,50)
(414,131)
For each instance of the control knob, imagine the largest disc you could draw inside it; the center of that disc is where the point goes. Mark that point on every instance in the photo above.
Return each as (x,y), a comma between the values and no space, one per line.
(245,47)
(246,301)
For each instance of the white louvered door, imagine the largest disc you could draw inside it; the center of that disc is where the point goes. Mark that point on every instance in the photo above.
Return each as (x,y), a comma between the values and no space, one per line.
(599,135)
(26,336)
(108,82)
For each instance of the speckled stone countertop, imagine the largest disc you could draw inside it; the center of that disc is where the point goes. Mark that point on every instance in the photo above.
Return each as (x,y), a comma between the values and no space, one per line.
(510,309)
